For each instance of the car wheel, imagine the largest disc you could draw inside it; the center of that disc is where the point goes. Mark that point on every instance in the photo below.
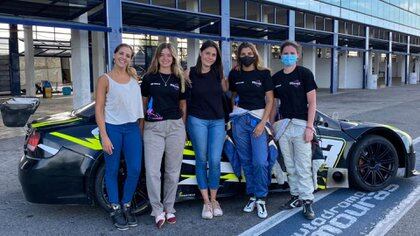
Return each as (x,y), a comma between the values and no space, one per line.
(140,202)
(373,164)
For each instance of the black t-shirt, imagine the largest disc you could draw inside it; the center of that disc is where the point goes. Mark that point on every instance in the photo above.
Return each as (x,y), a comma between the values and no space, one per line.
(250,87)
(205,95)
(164,93)
(291,89)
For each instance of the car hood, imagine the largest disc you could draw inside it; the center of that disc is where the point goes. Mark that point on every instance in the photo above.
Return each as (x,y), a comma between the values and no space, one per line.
(54,120)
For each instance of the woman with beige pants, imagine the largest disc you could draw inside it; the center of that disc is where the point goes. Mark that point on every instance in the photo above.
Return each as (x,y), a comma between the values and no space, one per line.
(163,90)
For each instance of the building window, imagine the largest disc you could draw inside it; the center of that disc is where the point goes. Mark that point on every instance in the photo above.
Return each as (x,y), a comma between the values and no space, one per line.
(211,7)
(268,14)
(300,19)
(341,27)
(329,25)
(189,5)
(165,3)
(309,21)
(319,23)
(253,11)
(237,8)
(142,1)
(282,16)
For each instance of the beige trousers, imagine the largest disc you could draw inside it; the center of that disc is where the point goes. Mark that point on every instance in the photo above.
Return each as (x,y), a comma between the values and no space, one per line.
(163,137)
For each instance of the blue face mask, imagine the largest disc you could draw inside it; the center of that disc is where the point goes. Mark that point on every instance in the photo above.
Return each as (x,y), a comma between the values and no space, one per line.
(289,59)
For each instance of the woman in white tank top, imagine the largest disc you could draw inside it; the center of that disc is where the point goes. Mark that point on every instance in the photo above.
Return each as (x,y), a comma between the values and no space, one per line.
(118,111)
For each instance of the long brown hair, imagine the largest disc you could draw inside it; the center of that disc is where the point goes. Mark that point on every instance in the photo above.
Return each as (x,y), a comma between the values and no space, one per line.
(217,66)
(175,67)
(257,62)
(129,69)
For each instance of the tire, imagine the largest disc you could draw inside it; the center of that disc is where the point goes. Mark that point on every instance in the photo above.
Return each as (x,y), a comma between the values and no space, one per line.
(140,202)
(373,163)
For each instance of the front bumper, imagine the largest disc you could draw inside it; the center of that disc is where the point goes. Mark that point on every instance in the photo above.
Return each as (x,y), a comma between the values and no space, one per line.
(410,165)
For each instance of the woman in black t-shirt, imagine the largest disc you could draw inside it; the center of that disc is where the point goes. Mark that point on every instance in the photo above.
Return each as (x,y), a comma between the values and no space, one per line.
(206,124)
(295,87)
(163,90)
(252,97)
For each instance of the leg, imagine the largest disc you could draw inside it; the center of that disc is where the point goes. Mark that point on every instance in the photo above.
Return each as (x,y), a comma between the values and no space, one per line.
(242,136)
(303,164)
(174,147)
(132,147)
(198,131)
(260,165)
(154,144)
(216,139)
(286,147)
(112,163)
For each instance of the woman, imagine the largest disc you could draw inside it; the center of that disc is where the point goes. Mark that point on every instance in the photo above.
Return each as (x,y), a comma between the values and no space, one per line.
(296,88)
(118,109)
(252,96)
(163,89)
(206,124)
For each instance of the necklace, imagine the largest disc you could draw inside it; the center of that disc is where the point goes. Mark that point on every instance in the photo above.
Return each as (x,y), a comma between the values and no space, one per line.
(166,82)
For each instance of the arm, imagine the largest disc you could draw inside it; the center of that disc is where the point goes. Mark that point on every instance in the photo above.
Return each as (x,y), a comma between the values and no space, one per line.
(309,132)
(273,112)
(183,107)
(225,85)
(145,101)
(259,129)
(232,98)
(101,91)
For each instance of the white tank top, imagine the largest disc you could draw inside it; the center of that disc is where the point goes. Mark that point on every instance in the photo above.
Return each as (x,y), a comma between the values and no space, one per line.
(123,102)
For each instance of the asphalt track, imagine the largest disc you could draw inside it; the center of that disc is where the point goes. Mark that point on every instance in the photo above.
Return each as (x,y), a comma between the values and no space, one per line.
(348,211)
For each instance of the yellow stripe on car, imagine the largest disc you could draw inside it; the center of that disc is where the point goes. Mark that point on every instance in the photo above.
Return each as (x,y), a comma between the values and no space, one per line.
(47,123)
(189,152)
(91,143)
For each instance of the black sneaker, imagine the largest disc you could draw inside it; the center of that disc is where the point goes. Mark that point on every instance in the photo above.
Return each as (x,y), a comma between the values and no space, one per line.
(118,218)
(308,212)
(292,203)
(131,219)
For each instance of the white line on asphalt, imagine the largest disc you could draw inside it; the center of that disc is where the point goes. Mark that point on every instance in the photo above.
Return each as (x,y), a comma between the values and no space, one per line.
(396,214)
(416,140)
(281,216)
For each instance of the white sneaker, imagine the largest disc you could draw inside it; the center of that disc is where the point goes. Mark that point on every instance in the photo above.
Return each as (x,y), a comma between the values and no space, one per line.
(262,210)
(207,212)
(250,206)
(217,210)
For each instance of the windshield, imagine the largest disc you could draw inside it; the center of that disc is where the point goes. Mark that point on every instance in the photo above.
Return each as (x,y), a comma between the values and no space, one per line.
(85,111)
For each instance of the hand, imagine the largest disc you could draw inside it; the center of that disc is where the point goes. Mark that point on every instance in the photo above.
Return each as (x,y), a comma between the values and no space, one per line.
(259,129)
(107,145)
(309,135)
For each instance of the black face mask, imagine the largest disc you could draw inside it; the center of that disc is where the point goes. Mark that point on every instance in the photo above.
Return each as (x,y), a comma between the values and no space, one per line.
(246,60)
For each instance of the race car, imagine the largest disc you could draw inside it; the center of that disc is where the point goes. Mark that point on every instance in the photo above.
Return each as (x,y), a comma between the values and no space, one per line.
(63,161)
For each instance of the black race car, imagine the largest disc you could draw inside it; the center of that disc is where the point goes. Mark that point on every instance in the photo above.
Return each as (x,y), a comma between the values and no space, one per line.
(63,160)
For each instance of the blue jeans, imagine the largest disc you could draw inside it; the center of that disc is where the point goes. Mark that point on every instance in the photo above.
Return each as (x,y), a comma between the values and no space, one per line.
(253,154)
(126,138)
(207,137)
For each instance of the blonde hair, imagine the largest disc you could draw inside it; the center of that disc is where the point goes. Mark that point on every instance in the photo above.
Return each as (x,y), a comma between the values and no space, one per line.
(175,67)
(131,71)
(257,62)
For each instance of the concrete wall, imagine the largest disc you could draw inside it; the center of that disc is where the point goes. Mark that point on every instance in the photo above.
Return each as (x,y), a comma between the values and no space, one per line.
(323,71)
(46,68)
(354,78)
